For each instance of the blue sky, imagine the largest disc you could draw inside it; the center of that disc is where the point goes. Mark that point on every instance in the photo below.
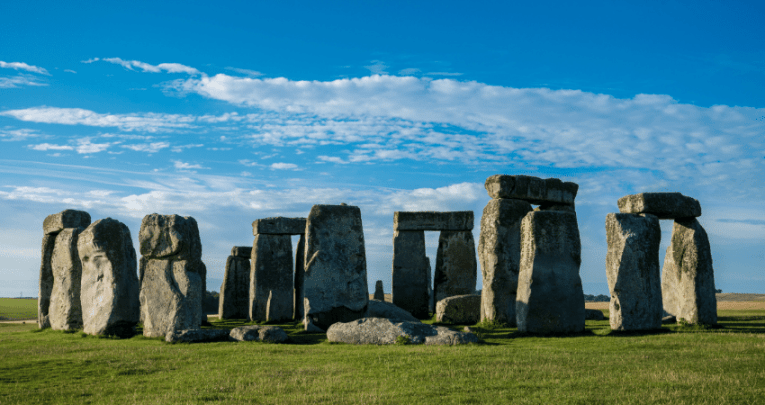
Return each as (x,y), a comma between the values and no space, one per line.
(240,111)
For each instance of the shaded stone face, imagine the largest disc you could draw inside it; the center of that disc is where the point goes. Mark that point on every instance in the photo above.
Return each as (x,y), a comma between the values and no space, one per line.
(663,205)
(456,267)
(234,302)
(109,288)
(299,276)
(65,311)
(271,283)
(46,281)
(379,293)
(632,269)
(432,221)
(279,226)
(532,189)
(170,237)
(410,277)
(56,223)
(460,309)
(688,284)
(171,296)
(499,249)
(242,251)
(335,283)
(550,297)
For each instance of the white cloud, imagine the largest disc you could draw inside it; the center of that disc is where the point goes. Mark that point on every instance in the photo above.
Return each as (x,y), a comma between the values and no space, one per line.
(23,66)
(284,166)
(20,80)
(167,67)
(18,134)
(149,122)
(86,147)
(148,147)
(186,166)
(180,148)
(332,159)
(48,146)
(69,71)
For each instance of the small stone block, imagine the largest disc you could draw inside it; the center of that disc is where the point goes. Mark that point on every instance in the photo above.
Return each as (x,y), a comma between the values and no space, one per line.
(433,221)
(535,190)
(241,251)
(65,219)
(663,205)
(279,226)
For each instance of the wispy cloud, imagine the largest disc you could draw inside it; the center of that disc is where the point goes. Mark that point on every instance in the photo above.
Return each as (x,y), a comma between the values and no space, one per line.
(23,66)
(246,72)
(22,134)
(149,122)
(48,146)
(284,166)
(377,67)
(186,166)
(20,80)
(146,67)
(148,147)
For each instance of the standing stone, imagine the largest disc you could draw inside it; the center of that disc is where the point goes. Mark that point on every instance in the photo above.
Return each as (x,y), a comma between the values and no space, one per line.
(688,282)
(456,267)
(299,276)
(65,311)
(499,249)
(632,268)
(335,283)
(409,284)
(170,237)
(235,291)
(271,284)
(550,297)
(379,293)
(431,296)
(110,290)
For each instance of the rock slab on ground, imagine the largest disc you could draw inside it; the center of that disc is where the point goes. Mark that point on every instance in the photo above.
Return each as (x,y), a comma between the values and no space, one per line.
(271,284)
(460,309)
(663,205)
(197,335)
(456,267)
(532,189)
(380,331)
(387,310)
(259,333)
(433,221)
(279,226)
(411,273)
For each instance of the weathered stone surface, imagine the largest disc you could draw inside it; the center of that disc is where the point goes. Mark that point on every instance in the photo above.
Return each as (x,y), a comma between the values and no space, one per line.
(632,269)
(110,290)
(532,189)
(279,226)
(594,315)
(170,237)
(244,252)
(56,223)
(663,205)
(65,311)
(557,207)
(433,221)
(456,267)
(499,249)
(688,280)
(379,293)
(271,284)
(171,296)
(259,333)
(197,335)
(381,331)
(460,309)
(335,283)
(410,278)
(387,310)
(46,281)
(550,297)
(234,297)
(298,309)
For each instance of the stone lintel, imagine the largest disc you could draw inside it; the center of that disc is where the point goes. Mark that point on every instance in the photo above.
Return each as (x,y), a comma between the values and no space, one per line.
(433,221)
(279,226)
(535,190)
(55,223)
(241,251)
(663,205)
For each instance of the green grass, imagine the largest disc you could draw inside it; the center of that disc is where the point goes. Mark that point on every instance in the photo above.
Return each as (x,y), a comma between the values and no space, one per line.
(12,309)
(677,365)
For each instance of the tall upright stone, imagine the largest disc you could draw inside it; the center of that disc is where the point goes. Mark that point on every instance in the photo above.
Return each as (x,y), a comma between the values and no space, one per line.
(688,284)
(379,292)
(335,283)
(499,249)
(65,311)
(109,286)
(410,278)
(632,269)
(298,309)
(271,283)
(550,297)
(169,272)
(52,225)
(234,295)
(456,267)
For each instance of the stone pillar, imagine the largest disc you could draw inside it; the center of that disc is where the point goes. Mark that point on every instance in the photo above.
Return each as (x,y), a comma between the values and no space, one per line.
(169,271)
(379,292)
(335,283)
(456,267)
(688,283)
(234,300)
(65,311)
(409,287)
(632,268)
(499,249)
(110,290)
(271,283)
(550,297)
(299,276)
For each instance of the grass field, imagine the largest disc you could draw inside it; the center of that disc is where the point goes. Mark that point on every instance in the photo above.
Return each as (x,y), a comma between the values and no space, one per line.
(12,309)
(688,365)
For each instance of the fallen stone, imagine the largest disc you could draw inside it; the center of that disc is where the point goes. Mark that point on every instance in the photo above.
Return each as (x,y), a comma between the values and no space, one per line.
(65,311)
(387,310)
(460,309)
(456,267)
(410,276)
(381,331)
(663,205)
(170,237)
(499,249)
(46,281)
(335,283)
(433,221)
(234,297)
(632,269)
(311,327)
(594,315)
(379,293)
(244,252)
(532,189)
(171,296)
(688,280)
(110,290)
(197,335)
(279,226)
(259,333)
(298,309)
(550,297)
(271,284)
(669,319)
(56,223)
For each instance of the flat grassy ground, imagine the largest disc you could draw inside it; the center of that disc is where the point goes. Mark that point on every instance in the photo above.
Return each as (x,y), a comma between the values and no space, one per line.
(12,309)
(688,365)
